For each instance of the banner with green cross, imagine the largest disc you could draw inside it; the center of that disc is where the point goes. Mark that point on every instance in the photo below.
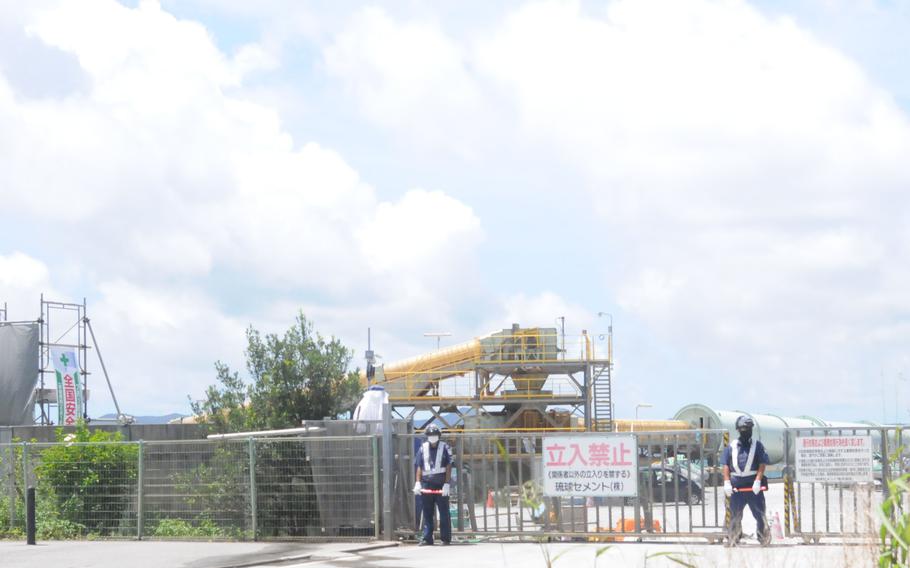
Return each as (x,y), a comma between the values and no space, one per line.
(69,386)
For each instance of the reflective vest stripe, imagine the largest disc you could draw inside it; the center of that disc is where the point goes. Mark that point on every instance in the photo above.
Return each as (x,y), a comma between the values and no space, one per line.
(734,454)
(440,450)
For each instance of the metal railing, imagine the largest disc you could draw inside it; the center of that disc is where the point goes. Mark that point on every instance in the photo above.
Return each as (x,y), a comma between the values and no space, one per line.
(256,488)
(841,508)
(498,489)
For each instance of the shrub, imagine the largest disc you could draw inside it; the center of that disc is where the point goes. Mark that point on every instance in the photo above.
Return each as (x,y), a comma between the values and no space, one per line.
(90,479)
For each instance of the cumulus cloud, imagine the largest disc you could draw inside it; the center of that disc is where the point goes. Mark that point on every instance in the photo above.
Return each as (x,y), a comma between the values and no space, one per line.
(749,177)
(161,176)
(22,280)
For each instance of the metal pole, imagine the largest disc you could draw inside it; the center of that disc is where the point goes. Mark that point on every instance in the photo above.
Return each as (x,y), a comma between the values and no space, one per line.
(139,493)
(24,465)
(253,510)
(11,484)
(377,492)
(103,368)
(562,334)
(589,397)
(387,474)
(83,358)
(30,515)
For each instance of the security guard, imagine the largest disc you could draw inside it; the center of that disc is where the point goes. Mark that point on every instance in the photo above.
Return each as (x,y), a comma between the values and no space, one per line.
(744,468)
(434,472)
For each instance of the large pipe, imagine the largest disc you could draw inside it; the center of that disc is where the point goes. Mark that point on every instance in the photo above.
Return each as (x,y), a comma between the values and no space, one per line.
(626,425)
(769,428)
(265,433)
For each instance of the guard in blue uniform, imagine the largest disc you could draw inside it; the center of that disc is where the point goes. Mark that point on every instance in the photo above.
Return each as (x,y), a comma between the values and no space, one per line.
(434,472)
(744,478)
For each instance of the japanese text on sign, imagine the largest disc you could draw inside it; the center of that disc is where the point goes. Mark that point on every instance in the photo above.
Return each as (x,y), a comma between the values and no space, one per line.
(589,466)
(834,459)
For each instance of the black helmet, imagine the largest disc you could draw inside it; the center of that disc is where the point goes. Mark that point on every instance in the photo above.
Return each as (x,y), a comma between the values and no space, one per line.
(744,423)
(432,429)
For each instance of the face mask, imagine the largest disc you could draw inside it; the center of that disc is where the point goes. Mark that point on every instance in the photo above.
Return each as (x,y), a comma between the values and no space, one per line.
(745,434)
(433,439)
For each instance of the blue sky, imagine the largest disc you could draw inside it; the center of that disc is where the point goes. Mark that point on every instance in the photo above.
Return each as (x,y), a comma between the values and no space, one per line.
(728,179)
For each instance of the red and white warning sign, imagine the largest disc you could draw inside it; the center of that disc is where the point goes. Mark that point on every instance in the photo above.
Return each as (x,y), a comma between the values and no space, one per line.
(834,459)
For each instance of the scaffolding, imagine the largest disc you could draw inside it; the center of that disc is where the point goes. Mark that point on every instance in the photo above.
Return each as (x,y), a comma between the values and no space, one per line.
(64,325)
(61,324)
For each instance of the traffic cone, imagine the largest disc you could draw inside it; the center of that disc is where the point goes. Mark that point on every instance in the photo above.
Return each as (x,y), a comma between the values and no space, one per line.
(778,533)
(490,503)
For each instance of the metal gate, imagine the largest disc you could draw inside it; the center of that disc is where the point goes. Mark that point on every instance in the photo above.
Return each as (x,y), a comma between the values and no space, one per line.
(841,509)
(497,489)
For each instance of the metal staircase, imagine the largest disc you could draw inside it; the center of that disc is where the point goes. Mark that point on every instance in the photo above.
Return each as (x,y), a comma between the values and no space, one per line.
(603,398)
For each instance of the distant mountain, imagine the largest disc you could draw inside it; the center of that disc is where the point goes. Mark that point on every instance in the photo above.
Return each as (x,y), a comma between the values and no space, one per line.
(148,419)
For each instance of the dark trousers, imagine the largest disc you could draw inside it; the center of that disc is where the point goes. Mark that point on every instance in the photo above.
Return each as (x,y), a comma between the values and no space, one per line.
(431,501)
(738,502)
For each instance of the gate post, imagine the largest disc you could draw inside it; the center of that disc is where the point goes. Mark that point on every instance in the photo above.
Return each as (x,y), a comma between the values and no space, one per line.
(254,513)
(377,493)
(886,463)
(139,492)
(387,473)
(787,483)
(726,499)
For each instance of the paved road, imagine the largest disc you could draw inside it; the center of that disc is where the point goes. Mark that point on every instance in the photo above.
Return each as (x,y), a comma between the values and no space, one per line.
(145,554)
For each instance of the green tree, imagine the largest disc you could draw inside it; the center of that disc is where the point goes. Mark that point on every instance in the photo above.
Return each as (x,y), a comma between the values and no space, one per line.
(298,376)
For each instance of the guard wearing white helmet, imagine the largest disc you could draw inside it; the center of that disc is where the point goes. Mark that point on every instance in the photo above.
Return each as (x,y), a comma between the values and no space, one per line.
(744,468)
(434,473)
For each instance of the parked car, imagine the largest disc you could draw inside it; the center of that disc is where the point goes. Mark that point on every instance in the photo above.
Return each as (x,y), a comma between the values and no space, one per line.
(669,484)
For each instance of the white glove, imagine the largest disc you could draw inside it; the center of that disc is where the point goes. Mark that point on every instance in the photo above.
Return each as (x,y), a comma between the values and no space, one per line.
(756,487)
(728,488)
(417,488)
(445,489)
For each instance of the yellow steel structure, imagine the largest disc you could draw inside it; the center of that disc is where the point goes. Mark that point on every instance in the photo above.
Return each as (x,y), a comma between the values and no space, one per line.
(418,376)
(528,352)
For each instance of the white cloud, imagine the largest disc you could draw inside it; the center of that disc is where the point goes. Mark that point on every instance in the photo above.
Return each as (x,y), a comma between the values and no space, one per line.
(22,280)
(160,345)
(750,178)
(160,174)
(164,150)
(392,67)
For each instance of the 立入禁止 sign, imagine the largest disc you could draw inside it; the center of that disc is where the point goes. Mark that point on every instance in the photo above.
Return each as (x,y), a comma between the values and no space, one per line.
(834,459)
(590,466)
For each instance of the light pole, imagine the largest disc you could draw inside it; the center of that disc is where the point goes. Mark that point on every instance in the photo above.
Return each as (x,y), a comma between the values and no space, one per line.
(637,406)
(438,335)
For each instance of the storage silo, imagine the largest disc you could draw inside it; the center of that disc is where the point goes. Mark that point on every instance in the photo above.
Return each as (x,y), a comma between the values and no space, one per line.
(769,428)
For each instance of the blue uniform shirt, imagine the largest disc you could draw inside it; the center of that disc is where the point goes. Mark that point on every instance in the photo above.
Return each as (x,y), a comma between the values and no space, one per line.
(434,481)
(761,457)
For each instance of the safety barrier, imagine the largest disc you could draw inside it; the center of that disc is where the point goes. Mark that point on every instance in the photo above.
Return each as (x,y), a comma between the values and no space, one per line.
(256,488)
(498,488)
(836,477)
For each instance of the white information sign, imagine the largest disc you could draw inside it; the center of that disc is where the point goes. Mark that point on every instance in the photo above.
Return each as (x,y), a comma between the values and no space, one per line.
(590,466)
(834,459)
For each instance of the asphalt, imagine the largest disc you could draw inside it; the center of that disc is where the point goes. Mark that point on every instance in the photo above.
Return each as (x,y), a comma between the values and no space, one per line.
(158,554)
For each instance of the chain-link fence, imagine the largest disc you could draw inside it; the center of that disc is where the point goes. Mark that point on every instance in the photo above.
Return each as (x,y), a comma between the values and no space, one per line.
(233,489)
